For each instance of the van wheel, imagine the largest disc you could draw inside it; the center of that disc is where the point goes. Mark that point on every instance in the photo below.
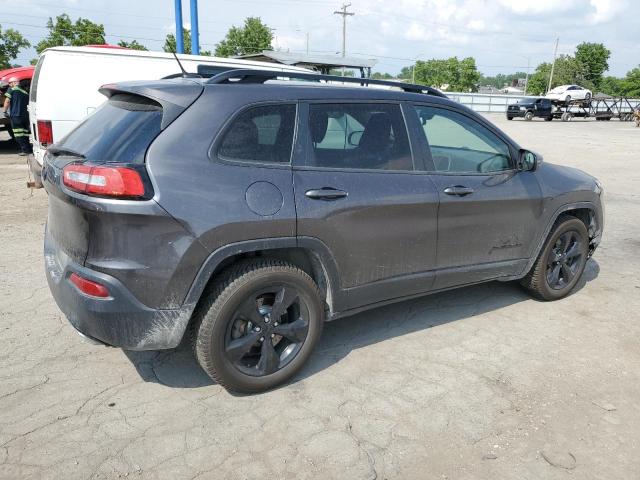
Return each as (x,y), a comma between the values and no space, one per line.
(561,261)
(528,116)
(257,328)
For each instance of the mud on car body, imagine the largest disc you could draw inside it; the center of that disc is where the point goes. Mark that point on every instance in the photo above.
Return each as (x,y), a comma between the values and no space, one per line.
(246,210)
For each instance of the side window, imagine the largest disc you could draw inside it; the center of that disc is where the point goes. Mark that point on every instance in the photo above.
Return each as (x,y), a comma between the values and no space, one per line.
(260,134)
(358,135)
(461,145)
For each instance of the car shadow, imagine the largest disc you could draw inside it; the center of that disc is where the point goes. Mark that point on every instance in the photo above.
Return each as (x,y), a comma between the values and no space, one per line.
(178,368)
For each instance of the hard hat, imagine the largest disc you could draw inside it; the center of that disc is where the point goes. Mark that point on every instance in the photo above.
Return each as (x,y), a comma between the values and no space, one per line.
(13,79)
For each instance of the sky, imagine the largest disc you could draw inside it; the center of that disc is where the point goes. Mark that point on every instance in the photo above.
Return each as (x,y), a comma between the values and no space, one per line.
(504,36)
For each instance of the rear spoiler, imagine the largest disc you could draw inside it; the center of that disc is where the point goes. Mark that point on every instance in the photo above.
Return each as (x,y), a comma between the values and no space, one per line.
(174,96)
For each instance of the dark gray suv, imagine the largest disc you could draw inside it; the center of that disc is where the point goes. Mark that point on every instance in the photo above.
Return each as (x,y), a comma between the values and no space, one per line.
(246,210)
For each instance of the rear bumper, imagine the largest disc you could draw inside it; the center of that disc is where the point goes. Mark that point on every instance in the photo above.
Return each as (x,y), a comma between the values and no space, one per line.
(119,320)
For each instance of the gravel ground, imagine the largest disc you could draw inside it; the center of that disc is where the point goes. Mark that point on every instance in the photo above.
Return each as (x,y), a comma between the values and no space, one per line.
(479,383)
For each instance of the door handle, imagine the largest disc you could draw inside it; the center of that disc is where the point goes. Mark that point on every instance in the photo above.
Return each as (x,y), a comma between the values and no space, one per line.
(325,193)
(458,190)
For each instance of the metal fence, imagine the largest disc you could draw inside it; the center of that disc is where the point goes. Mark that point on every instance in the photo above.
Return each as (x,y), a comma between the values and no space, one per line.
(492,102)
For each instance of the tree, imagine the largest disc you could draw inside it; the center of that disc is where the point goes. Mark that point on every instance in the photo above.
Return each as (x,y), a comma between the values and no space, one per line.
(611,86)
(170,43)
(501,80)
(450,74)
(406,73)
(468,76)
(631,83)
(566,71)
(254,37)
(65,32)
(133,45)
(593,60)
(381,76)
(11,42)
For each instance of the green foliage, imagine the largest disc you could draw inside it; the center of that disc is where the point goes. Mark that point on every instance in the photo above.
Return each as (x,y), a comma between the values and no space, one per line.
(592,59)
(254,37)
(382,76)
(170,43)
(64,32)
(567,71)
(631,83)
(133,45)
(456,75)
(406,73)
(501,80)
(11,42)
(611,86)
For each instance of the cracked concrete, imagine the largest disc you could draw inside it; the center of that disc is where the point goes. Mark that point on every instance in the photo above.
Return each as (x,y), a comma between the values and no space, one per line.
(480,383)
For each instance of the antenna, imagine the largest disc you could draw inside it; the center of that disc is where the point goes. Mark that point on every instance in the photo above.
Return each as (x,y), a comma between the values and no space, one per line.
(185,74)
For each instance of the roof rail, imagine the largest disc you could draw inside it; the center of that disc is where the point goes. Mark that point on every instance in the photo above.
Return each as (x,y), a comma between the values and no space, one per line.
(261,76)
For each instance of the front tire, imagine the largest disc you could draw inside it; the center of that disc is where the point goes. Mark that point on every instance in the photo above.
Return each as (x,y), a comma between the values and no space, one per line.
(258,327)
(528,116)
(561,261)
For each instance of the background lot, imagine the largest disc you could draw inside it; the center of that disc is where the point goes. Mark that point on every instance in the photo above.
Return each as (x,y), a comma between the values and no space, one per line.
(478,383)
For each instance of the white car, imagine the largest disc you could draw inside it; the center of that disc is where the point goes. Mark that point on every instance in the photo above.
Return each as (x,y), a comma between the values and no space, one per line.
(566,93)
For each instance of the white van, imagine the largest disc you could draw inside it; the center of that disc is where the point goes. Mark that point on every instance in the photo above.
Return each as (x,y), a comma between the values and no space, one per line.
(64,88)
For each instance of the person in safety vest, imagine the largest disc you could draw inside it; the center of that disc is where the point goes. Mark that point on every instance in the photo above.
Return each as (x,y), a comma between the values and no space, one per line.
(15,105)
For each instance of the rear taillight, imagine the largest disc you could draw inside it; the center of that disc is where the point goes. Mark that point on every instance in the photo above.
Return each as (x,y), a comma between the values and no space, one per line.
(89,287)
(116,181)
(45,132)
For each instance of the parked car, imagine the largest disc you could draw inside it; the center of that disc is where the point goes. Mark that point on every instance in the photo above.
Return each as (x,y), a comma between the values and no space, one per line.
(528,108)
(54,111)
(567,93)
(248,211)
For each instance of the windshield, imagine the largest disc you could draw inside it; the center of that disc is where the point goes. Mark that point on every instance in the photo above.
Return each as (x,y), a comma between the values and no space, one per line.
(120,130)
(527,100)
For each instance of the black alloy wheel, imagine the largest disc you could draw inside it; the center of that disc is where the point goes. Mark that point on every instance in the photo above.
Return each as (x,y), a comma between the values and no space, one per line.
(564,260)
(258,325)
(267,331)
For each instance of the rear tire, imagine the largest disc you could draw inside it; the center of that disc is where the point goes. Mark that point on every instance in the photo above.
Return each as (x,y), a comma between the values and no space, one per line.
(258,326)
(561,261)
(548,119)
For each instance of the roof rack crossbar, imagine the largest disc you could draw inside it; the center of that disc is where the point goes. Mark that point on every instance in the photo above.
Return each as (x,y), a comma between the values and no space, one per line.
(261,76)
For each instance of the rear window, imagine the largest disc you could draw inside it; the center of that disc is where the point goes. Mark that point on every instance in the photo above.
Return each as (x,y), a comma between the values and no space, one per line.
(120,130)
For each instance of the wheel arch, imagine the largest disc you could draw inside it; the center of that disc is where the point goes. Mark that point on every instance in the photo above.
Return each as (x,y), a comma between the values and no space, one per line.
(584,211)
(309,254)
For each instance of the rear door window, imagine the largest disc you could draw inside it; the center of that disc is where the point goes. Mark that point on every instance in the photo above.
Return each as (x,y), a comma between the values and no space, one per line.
(120,130)
(260,134)
(369,136)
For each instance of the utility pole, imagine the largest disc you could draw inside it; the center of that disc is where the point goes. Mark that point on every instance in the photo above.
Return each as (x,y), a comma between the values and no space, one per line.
(344,14)
(526,80)
(553,65)
(307,43)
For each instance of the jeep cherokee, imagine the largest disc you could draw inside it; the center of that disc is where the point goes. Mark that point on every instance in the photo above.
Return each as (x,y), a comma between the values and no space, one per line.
(247,209)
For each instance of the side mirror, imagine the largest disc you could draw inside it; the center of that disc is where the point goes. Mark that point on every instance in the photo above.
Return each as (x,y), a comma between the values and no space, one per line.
(529,161)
